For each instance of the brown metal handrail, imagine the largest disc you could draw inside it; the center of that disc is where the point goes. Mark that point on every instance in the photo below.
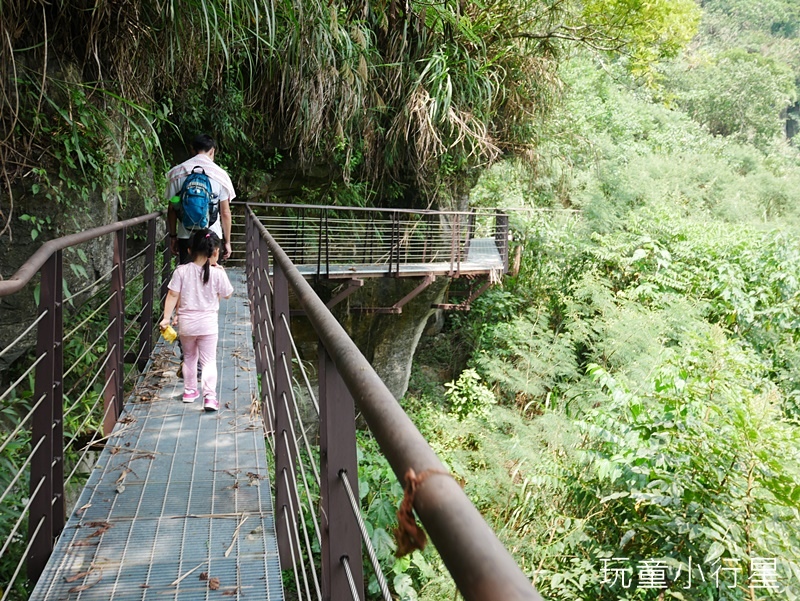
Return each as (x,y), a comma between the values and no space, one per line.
(32,266)
(46,504)
(481,567)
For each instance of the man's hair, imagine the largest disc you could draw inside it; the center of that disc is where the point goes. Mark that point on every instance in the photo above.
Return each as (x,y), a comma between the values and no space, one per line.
(203,143)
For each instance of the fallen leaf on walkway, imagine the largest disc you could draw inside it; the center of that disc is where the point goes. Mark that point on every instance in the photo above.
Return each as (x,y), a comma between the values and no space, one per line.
(83,587)
(254,478)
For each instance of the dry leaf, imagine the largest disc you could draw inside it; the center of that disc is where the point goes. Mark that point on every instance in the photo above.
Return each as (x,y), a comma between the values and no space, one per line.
(78,575)
(83,587)
(213,584)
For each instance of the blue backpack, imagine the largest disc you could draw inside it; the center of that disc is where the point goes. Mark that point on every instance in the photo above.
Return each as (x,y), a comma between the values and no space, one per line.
(199,206)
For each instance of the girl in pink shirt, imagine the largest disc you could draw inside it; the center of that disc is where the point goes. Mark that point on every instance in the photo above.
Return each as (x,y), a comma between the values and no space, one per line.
(195,288)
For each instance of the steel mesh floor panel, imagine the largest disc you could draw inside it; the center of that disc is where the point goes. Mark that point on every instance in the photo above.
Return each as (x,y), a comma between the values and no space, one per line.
(178,505)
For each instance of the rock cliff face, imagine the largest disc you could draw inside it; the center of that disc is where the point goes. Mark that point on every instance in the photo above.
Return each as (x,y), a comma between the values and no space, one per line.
(52,220)
(387,341)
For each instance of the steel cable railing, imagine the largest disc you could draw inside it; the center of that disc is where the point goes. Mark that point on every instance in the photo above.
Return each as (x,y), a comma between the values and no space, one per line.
(88,446)
(104,305)
(20,520)
(88,349)
(20,565)
(63,383)
(292,556)
(13,434)
(321,237)
(295,452)
(22,377)
(21,471)
(351,581)
(102,278)
(373,556)
(294,536)
(479,564)
(88,414)
(22,334)
(309,388)
(291,450)
(92,368)
(297,415)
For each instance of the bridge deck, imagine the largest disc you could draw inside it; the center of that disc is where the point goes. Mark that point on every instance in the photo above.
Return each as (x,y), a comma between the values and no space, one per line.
(482,258)
(177,493)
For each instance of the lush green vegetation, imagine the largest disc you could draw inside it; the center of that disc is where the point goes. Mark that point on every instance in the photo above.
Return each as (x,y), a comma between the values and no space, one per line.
(402,102)
(644,441)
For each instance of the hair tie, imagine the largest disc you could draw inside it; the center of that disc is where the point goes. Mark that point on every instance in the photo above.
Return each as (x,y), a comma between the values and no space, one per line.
(208,235)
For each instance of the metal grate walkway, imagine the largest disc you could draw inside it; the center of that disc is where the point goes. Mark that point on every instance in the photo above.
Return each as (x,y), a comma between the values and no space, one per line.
(178,505)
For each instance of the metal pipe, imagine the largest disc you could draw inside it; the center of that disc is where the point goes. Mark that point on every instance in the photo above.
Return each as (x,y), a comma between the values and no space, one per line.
(278,205)
(480,565)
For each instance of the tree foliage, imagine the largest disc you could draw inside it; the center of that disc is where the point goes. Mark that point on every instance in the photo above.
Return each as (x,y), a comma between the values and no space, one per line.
(644,356)
(409,97)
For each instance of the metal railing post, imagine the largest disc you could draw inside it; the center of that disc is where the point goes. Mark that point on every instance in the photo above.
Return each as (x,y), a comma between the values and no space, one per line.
(327,247)
(116,333)
(166,270)
(47,438)
(264,318)
(341,536)
(322,216)
(454,229)
(501,237)
(148,299)
(470,231)
(394,245)
(250,255)
(283,418)
(59,501)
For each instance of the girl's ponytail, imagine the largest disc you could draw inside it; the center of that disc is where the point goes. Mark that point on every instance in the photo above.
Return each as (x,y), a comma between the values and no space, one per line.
(204,243)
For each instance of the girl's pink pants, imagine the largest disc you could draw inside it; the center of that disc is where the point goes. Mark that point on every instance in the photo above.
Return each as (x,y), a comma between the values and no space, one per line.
(204,349)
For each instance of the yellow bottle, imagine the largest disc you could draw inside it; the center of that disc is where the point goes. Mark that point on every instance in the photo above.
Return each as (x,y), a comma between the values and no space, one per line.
(169,334)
